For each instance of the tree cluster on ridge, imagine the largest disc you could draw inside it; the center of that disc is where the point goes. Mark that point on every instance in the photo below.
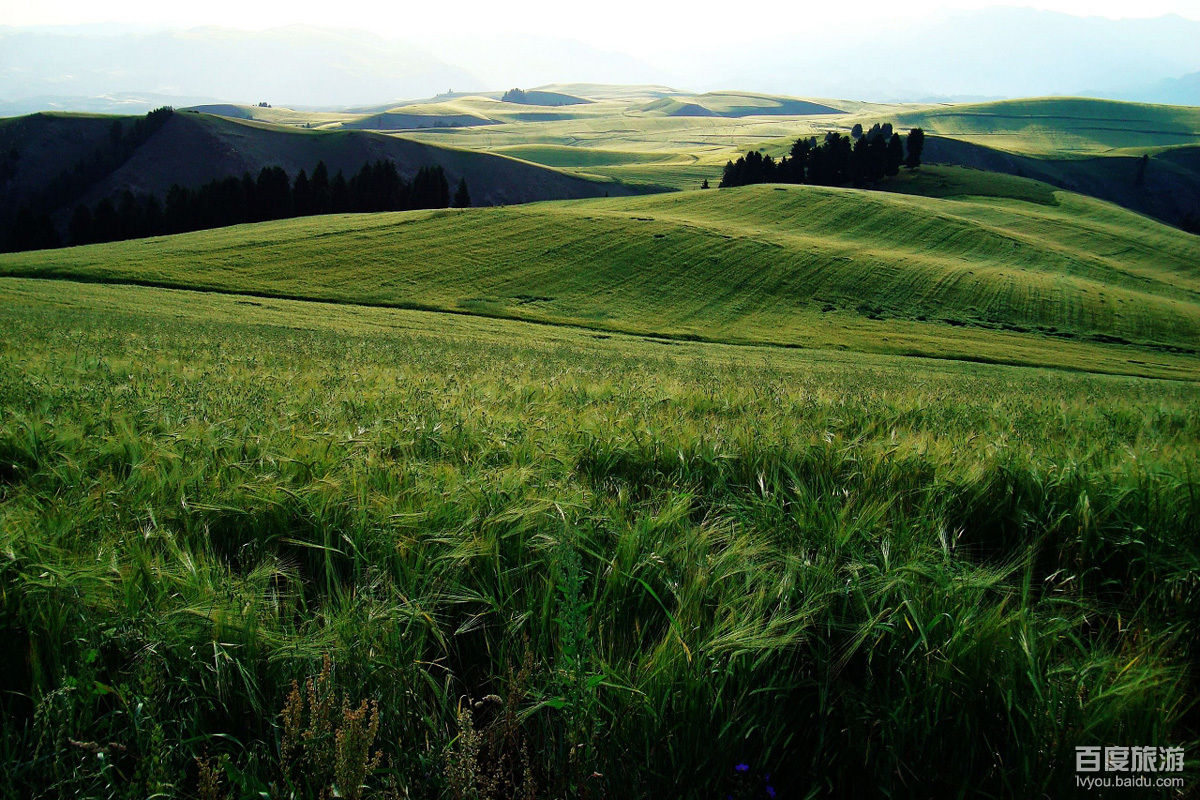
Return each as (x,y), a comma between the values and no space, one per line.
(856,160)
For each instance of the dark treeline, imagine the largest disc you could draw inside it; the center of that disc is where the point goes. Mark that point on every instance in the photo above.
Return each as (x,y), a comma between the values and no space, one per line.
(378,186)
(32,228)
(861,159)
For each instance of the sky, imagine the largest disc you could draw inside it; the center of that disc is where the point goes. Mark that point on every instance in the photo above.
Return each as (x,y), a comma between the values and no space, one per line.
(622,25)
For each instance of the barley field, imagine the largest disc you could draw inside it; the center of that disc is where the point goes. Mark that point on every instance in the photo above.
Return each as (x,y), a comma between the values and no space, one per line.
(253,546)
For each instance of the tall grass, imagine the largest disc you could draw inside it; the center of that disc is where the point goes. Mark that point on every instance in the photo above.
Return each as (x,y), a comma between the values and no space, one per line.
(575,568)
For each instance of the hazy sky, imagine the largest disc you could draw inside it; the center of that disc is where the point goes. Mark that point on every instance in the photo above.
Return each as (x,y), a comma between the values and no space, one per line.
(619,23)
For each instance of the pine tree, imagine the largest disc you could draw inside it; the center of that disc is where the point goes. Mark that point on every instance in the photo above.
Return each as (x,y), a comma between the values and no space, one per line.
(302,200)
(462,197)
(916,143)
(339,194)
(895,155)
(320,189)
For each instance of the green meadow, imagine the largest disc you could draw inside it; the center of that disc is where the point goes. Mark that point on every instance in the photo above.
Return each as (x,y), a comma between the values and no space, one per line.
(1053,125)
(1026,275)
(559,563)
(766,492)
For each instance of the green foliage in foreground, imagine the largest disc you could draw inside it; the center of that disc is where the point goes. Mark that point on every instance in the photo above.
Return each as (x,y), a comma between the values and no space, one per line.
(542,563)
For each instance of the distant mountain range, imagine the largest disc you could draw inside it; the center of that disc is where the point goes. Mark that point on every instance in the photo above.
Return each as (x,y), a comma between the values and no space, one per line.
(990,53)
(298,65)
(1183,91)
(994,53)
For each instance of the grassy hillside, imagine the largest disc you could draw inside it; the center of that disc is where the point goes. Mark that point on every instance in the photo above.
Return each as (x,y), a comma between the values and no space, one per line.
(1057,124)
(199,148)
(415,120)
(687,149)
(733,104)
(276,114)
(515,538)
(619,92)
(542,97)
(1082,145)
(1034,276)
(475,109)
(1168,188)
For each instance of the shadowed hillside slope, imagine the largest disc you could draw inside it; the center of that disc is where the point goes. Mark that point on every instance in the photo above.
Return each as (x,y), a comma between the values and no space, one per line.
(192,148)
(39,146)
(1084,145)
(1168,189)
(198,148)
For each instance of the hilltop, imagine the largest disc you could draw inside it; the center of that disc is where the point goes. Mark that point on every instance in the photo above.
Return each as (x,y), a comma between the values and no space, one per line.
(734,105)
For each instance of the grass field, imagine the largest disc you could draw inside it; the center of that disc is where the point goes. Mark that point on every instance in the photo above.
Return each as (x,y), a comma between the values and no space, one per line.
(772,492)
(685,149)
(1026,275)
(657,136)
(1081,144)
(569,564)
(1053,125)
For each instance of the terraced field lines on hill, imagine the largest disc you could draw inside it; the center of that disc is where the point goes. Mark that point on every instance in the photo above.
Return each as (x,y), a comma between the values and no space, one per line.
(1072,282)
(1057,124)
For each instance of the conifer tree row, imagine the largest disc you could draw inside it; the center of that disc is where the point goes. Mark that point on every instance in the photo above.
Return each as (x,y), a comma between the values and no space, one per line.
(378,186)
(861,159)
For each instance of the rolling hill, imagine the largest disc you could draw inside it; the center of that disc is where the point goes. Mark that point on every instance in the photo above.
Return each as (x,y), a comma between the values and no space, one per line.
(193,148)
(1031,276)
(1084,145)
(465,111)
(541,97)
(1051,125)
(1168,189)
(733,104)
